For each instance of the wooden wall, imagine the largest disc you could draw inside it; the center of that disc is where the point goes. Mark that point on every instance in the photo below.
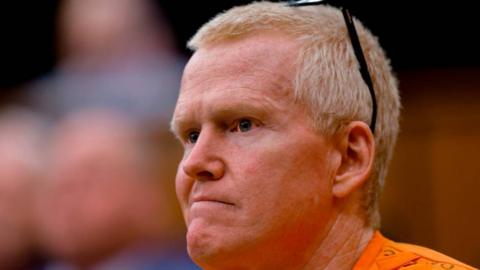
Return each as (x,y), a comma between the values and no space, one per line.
(432,195)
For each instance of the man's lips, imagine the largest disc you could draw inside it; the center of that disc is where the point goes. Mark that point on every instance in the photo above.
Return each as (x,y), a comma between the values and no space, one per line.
(213,199)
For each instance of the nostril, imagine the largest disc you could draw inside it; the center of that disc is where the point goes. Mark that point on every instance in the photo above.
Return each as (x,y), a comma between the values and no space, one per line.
(205,175)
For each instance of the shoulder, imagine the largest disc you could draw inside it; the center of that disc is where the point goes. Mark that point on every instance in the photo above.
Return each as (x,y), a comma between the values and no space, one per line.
(384,254)
(418,258)
(431,259)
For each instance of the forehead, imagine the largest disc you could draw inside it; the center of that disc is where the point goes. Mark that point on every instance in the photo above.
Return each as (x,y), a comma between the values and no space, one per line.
(256,66)
(269,58)
(265,48)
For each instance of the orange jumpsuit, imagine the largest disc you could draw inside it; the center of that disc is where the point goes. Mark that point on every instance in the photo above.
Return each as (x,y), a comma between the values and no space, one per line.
(384,254)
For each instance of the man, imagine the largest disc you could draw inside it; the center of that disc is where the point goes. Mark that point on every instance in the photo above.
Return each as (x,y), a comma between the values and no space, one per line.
(281,169)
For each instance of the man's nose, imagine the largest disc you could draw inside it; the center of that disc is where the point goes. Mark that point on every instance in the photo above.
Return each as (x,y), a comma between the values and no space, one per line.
(203,162)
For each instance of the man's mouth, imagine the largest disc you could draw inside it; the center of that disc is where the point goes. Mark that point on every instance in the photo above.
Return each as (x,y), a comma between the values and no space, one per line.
(209,199)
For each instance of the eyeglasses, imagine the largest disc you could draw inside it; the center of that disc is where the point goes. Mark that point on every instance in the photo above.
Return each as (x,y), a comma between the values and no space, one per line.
(357,48)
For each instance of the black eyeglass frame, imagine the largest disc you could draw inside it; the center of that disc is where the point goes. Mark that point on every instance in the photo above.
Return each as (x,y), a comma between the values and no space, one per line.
(357,49)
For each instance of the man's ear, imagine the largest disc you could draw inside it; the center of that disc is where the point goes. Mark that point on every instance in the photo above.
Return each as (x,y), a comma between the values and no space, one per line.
(357,147)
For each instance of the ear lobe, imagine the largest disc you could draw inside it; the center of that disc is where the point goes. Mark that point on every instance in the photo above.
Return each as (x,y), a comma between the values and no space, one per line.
(357,147)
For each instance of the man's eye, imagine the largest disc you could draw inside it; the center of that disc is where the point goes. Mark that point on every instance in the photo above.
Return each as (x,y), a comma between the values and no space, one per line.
(243,125)
(192,136)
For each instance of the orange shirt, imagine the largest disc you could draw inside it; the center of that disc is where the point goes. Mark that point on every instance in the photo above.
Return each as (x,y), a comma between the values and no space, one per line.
(384,254)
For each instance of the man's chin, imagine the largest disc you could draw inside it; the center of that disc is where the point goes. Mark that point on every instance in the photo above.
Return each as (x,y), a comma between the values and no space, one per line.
(208,247)
(200,241)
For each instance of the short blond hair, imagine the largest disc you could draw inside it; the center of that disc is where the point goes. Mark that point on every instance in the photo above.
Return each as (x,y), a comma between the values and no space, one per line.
(325,61)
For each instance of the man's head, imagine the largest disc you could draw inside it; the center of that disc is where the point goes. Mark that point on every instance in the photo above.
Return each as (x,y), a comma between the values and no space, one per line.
(273,115)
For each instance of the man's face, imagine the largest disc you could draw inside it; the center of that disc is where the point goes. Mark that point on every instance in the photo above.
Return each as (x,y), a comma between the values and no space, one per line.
(255,179)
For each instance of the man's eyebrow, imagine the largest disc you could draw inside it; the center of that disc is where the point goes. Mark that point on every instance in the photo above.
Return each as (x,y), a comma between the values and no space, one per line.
(259,109)
(246,108)
(176,123)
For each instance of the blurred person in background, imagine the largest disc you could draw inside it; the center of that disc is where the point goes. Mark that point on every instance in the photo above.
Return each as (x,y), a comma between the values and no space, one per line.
(105,204)
(112,53)
(22,136)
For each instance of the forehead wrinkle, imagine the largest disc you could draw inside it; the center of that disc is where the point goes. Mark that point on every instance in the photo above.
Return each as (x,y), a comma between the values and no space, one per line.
(251,101)
(224,77)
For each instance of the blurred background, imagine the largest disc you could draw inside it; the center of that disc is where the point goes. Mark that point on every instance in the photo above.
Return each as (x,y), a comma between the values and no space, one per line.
(84,84)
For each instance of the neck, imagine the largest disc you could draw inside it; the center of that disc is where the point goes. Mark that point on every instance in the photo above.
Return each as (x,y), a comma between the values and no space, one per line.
(338,248)
(344,243)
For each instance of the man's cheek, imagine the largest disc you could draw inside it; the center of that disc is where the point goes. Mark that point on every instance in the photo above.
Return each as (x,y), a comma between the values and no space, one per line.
(182,192)
(261,160)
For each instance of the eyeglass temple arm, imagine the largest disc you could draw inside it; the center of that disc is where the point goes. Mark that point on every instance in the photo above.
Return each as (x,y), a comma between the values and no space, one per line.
(357,49)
